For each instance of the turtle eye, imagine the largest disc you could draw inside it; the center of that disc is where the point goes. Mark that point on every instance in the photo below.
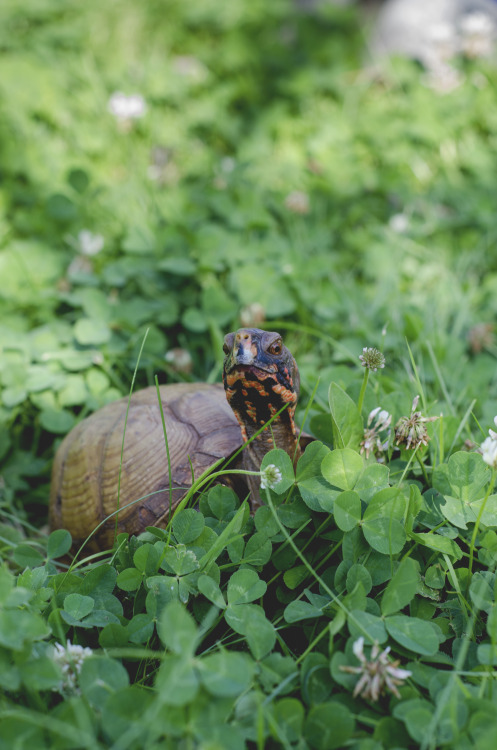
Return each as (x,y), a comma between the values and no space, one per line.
(275,347)
(228,342)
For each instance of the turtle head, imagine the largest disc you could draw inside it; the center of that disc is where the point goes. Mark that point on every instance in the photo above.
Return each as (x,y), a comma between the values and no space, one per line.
(260,377)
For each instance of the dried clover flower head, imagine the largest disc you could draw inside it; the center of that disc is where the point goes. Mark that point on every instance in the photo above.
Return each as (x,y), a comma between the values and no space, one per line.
(79,265)
(162,168)
(372,358)
(70,659)
(373,441)
(481,336)
(441,76)
(270,477)
(179,359)
(488,448)
(411,430)
(298,202)
(378,675)
(251,316)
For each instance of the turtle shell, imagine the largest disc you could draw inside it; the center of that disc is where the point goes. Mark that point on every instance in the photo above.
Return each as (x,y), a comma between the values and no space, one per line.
(201,428)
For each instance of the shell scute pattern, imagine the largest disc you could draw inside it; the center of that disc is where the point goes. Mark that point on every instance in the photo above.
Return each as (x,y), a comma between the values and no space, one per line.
(199,424)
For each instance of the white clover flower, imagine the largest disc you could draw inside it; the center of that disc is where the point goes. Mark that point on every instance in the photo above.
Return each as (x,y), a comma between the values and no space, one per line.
(270,477)
(383,418)
(476,23)
(489,452)
(70,659)
(89,243)
(372,358)
(443,40)
(378,675)
(399,223)
(379,421)
(125,107)
(478,34)
(488,448)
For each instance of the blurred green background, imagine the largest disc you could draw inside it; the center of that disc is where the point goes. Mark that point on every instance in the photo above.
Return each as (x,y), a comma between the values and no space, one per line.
(262,174)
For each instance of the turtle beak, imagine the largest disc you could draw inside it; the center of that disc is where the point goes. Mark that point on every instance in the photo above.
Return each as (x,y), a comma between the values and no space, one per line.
(244,348)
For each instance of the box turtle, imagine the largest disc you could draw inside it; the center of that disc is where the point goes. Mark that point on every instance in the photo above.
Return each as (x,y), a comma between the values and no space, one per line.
(204,422)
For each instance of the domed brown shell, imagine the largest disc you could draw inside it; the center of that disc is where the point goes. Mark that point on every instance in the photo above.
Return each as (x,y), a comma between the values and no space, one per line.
(200,425)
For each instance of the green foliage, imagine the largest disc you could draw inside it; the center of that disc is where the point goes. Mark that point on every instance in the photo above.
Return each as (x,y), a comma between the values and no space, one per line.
(176,621)
(264,179)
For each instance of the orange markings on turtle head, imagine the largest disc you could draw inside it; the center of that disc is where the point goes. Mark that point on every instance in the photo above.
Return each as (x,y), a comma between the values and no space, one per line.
(231,378)
(260,388)
(286,394)
(251,411)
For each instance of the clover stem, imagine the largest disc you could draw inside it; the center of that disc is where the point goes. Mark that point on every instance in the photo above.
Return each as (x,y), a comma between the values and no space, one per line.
(477,523)
(363,389)
(325,631)
(423,467)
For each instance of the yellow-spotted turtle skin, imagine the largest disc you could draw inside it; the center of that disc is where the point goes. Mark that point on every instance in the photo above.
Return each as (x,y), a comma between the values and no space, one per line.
(260,377)
(204,423)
